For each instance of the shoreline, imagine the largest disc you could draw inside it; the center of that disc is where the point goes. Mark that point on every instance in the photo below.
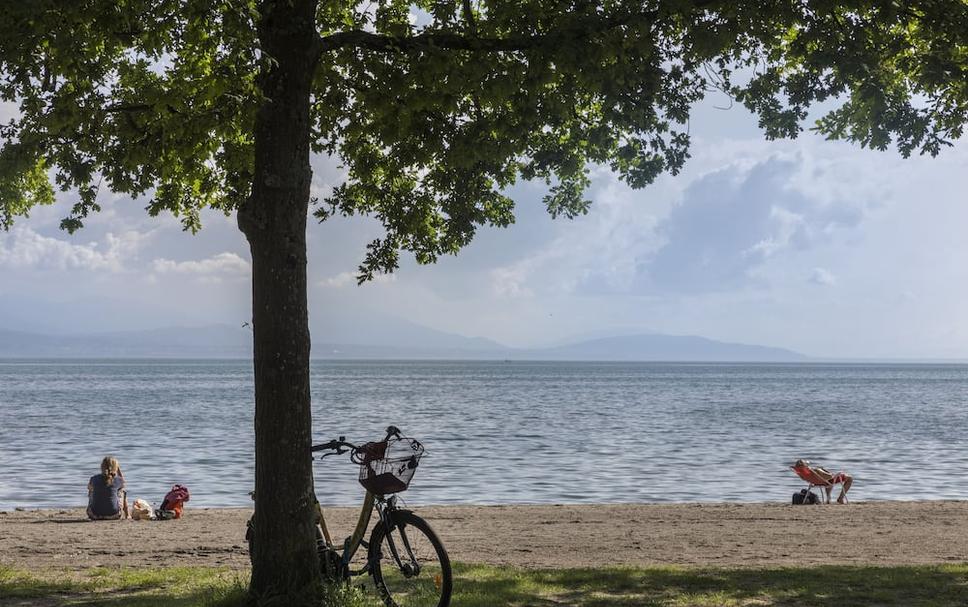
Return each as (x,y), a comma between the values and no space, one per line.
(535,536)
(78,507)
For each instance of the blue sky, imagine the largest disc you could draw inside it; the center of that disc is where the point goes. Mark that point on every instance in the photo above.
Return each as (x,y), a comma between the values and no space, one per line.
(817,246)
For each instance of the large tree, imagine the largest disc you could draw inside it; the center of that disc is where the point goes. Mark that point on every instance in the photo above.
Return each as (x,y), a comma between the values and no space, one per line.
(433,107)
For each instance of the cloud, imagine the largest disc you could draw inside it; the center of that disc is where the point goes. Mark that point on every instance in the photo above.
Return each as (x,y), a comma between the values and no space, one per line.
(26,249)
(730,221)
(712,234)
(512,280)
(218,266)
(823,277)
(344,279)
(598,252)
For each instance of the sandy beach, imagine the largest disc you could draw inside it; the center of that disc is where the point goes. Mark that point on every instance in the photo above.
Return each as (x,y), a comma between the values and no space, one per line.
(734,535)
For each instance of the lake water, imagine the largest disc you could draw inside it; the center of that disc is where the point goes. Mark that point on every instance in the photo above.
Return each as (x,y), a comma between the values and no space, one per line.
(496,432)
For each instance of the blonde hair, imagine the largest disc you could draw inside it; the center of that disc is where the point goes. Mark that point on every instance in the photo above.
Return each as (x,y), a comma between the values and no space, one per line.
(110,469)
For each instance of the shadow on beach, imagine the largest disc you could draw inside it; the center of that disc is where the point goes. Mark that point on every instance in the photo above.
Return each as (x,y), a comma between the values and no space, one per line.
(629,587)
(489,586)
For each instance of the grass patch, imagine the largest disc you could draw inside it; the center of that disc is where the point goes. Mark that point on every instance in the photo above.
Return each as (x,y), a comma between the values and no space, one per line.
(916,586)
(486,586)
(169,586)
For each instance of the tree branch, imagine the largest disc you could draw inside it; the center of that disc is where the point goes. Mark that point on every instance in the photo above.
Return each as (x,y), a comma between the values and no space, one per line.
(469,16)
(128,107)
(440,40)
(452,41)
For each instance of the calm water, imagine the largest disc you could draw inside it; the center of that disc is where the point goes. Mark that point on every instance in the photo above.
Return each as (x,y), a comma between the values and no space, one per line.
(519,432)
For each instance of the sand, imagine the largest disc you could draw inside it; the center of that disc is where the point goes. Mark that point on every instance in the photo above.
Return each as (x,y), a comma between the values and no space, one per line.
(733,535)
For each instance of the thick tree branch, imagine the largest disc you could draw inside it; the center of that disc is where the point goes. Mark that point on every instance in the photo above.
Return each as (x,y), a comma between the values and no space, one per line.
(128,107)
(441,40)
(452,41)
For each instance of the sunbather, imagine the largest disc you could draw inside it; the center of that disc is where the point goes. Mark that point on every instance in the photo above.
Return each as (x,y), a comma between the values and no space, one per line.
(842,478)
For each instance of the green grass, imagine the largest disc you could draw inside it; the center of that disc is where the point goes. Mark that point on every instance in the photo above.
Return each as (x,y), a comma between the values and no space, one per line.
(485,586)
(168,586)
(680,587)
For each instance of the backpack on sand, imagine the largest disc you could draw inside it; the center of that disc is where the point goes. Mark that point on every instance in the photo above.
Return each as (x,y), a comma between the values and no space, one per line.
(173,503)
(804,497)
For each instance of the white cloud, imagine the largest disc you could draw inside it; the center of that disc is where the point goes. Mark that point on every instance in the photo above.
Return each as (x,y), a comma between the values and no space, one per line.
(729,222)
(512,280)
(787,224)
(599,252)
(710,233)
(344,279)
(215,267)
(821,276)
(23,248)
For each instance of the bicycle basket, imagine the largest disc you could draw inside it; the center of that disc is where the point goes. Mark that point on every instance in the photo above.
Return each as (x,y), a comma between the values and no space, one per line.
(388,466)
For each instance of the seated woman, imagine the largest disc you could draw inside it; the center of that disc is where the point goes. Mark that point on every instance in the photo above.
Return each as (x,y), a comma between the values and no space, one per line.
(106,497)
(845,480)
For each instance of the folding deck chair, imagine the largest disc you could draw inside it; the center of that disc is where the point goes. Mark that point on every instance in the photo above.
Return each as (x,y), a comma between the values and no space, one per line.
(815,480)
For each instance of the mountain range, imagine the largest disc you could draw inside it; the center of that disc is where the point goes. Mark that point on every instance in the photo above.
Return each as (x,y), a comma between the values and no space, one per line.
(379,339)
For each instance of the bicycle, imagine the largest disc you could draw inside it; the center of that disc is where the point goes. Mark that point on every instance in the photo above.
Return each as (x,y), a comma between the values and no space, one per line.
(405,558)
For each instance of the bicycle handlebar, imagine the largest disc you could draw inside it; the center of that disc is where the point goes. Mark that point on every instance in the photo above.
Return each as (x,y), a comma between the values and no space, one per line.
(340,445)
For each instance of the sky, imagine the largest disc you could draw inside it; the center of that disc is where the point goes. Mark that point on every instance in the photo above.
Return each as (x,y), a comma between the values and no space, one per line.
(821,247)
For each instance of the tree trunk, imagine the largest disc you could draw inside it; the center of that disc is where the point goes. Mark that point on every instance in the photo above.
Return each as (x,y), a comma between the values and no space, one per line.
(273,219)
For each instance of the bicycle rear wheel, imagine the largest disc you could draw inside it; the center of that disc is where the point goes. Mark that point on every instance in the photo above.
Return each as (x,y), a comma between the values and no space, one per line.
(409,564)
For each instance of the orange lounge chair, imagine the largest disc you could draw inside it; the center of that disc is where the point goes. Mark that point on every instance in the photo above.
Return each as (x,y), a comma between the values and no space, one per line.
(815,480)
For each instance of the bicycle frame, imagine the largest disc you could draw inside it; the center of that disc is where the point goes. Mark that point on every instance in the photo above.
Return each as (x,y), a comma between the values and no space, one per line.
(353,542)
(385,509)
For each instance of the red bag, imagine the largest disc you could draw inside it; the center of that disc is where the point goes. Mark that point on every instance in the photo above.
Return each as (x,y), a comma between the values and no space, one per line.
(175,500)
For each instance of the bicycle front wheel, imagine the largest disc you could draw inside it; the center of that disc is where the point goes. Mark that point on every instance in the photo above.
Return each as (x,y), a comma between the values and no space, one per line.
(409,564)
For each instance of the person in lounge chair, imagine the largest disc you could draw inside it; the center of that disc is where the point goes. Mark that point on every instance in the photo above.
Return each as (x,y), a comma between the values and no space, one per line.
(106,498)
(842,478)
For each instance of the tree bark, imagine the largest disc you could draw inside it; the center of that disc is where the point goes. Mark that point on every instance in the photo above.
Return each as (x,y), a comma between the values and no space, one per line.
(273,219)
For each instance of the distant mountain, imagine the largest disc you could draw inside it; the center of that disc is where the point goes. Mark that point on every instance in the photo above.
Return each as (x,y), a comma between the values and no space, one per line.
(669,348)
(214,341)
(400,340)
(406,340)
(363,328)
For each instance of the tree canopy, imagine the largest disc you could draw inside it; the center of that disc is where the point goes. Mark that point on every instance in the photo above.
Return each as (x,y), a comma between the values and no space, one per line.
(435,107)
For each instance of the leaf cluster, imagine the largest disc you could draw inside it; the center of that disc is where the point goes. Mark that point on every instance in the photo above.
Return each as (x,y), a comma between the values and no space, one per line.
(144,96)
(897,70)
